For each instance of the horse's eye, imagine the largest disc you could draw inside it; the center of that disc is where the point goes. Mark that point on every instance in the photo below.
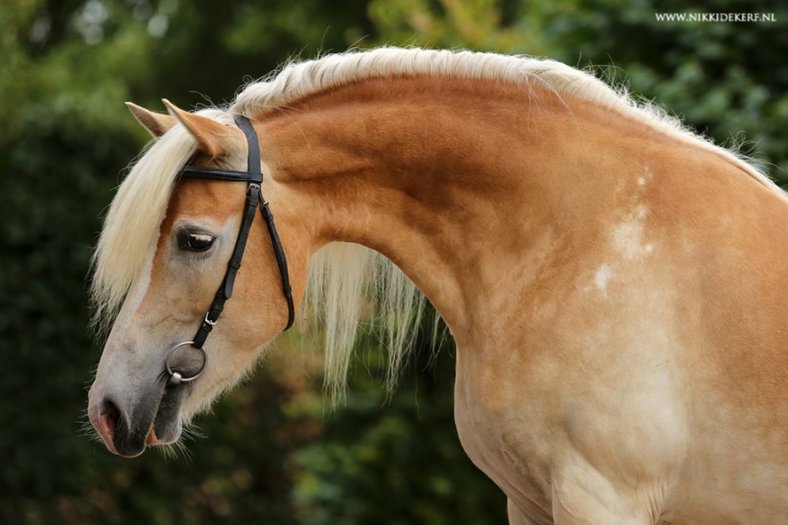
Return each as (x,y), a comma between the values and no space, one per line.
(194,241)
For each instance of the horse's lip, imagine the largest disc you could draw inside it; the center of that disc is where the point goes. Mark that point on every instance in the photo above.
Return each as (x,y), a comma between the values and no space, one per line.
(130,442)
(164,427)
(127,446)
(153,422)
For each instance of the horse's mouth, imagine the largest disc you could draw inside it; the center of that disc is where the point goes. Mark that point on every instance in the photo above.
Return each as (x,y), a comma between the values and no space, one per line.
(154,421)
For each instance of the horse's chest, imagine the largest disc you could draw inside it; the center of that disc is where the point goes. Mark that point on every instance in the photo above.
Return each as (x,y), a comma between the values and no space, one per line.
(525,420)
(507,439)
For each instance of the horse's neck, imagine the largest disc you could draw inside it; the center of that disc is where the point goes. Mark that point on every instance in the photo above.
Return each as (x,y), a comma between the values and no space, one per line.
(469,187)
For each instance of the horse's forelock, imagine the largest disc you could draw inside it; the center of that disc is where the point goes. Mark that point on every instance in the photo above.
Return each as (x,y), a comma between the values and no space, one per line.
(131,226)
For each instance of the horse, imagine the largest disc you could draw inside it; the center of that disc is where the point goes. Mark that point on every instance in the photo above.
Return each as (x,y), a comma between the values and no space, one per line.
(615,283)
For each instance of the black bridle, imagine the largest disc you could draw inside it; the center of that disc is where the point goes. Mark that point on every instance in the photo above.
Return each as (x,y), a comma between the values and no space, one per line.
(254,199)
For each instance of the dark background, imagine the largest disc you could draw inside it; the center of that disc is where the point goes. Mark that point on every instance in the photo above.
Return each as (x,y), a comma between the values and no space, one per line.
(275,452)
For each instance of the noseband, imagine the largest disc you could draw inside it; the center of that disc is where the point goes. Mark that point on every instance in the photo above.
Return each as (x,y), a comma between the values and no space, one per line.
(254,199)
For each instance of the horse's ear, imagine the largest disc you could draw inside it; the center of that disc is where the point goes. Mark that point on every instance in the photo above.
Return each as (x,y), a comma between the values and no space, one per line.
(212,137)
(157,124)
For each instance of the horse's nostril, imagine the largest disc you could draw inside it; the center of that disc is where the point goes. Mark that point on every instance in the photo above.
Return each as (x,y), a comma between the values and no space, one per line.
(109,415)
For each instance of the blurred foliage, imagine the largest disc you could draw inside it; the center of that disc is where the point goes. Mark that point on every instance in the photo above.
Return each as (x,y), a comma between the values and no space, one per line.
(275,453)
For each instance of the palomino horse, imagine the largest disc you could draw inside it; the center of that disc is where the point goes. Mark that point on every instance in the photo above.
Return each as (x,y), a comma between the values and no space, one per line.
(616,285)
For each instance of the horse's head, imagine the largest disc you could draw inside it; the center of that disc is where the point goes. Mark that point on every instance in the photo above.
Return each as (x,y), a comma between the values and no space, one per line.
(163,254)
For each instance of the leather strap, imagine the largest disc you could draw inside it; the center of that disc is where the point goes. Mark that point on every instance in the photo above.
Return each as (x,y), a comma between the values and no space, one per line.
(253,158)
(195,172)
(281,260)
(225,290)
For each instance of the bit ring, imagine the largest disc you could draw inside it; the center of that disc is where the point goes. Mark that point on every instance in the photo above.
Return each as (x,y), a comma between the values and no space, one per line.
(176,376)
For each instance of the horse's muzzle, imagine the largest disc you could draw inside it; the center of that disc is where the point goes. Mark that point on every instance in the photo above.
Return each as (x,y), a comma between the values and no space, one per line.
(154,420)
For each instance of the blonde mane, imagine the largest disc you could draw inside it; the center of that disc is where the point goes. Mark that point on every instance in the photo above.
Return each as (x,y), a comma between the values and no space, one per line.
(299,80)
(341,275)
